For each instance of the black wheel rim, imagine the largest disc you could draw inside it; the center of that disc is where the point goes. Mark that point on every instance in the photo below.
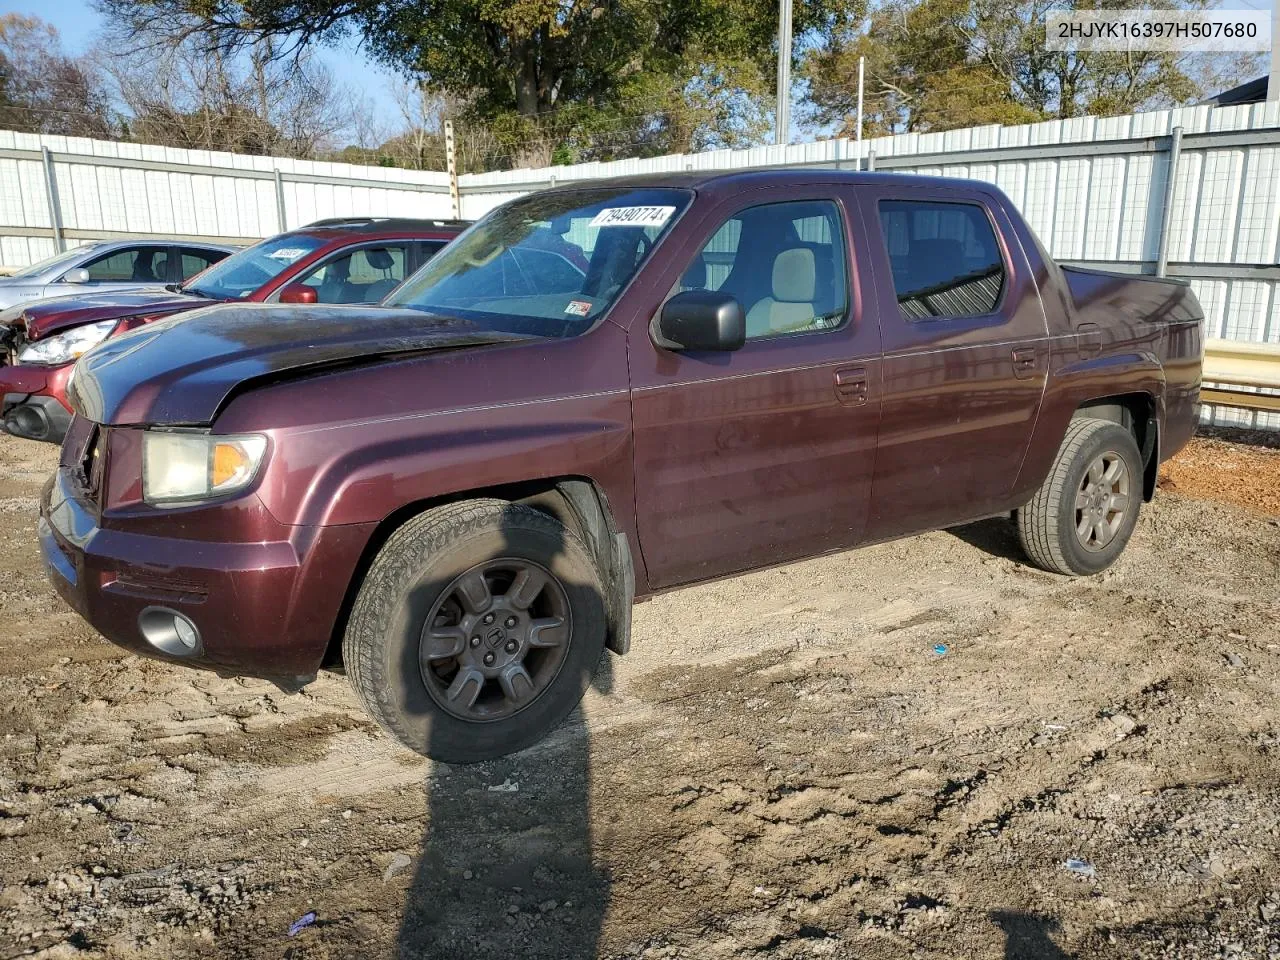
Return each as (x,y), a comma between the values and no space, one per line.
(495,639)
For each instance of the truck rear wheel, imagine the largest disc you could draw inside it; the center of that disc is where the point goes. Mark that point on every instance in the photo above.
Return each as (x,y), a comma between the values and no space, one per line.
(1083,515)
(476,630)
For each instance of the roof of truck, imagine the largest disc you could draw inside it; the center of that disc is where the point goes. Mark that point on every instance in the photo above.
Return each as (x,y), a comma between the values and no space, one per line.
(780,176)
(378,226)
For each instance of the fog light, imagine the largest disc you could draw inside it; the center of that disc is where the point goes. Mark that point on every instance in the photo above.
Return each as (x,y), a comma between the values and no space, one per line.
(186,632)
(169,632)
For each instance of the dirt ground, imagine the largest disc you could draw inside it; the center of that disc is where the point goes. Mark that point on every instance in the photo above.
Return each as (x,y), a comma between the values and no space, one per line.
(1216,469)
(882,754)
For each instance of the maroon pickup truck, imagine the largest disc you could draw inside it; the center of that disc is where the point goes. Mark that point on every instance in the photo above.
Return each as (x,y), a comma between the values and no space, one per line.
(459,494)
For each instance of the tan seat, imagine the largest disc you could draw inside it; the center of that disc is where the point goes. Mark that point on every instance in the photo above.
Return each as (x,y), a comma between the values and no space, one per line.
(791,307)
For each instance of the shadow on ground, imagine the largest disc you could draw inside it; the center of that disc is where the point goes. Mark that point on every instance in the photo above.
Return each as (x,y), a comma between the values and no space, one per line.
(509,872)
(997,536)
(1027,936)
(506,868)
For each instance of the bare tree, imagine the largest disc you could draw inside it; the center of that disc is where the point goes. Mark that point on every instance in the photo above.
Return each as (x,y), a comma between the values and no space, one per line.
(419,141)
(249,101)
(42,90)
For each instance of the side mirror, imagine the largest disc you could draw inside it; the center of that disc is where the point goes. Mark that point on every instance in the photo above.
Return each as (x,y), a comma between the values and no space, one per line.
(298,293)
(76,275)
(701,320)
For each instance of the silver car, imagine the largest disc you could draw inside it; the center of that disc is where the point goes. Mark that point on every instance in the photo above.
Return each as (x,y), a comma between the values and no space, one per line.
(108,266)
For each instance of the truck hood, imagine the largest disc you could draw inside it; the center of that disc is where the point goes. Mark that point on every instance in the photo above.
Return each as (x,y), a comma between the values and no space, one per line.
(182,370)
(52,316)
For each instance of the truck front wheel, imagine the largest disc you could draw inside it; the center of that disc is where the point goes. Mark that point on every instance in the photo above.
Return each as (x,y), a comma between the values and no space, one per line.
(476,630)
(1080,519)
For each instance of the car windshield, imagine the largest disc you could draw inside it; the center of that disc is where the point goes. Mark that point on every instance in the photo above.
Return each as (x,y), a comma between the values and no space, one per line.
(548,264)
(64,259)
(242,273)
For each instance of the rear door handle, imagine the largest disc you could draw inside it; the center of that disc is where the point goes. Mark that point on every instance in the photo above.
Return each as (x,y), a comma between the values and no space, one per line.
(851,385)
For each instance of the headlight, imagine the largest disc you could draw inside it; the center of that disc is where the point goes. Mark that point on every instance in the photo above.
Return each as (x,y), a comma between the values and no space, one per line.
(184,467)
(68,346)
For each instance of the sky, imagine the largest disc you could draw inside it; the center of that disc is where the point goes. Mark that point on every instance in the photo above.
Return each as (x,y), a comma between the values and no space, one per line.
(78,24)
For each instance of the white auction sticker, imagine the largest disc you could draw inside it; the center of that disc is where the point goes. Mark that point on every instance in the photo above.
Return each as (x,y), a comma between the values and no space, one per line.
(632,217)
(288,254)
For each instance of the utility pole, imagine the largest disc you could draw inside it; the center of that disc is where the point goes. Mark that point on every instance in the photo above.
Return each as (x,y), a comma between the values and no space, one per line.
(862,63)
(451,164)
(1273,81)
(782,132)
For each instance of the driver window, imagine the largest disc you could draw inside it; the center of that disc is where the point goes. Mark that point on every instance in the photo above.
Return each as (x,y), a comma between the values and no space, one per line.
(784,262)
(364,275)
(132,265)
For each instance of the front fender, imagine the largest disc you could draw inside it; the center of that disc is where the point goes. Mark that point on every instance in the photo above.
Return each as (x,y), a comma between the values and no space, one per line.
(364,472)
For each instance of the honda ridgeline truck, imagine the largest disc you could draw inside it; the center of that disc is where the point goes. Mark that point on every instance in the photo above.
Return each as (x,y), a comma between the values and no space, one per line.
(459,494)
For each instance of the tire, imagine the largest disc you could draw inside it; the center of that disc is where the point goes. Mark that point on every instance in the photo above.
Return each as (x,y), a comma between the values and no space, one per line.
(452,692)
(1049,526)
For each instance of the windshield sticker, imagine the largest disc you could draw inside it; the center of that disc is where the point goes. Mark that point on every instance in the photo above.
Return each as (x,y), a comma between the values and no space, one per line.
(632,217)
(288,254)
(579,308)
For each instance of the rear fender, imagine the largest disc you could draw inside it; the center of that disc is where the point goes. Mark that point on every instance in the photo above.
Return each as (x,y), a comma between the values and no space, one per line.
(1137,414)
(1123,378)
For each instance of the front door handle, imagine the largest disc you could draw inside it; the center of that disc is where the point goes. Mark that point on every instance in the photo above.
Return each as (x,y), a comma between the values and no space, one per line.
(1025,362)
(851,386)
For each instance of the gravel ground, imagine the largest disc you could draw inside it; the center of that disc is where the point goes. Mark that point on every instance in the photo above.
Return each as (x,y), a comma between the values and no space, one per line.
(894,752)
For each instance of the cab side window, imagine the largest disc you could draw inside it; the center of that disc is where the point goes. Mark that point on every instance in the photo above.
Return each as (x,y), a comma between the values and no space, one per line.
(944,258)
(133,264)
(784,262)
(364,275)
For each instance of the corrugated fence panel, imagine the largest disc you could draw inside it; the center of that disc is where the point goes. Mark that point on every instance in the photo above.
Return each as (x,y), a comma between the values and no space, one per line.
(1219,206)
(1102,211)
(1257,239)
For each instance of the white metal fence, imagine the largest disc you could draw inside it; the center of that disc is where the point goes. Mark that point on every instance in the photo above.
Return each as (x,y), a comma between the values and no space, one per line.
(1096,190)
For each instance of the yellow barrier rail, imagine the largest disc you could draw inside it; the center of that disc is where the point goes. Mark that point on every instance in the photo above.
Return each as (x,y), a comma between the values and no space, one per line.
(1230,365)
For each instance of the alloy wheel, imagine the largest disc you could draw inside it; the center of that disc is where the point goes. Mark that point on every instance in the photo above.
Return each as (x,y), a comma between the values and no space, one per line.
(495,639)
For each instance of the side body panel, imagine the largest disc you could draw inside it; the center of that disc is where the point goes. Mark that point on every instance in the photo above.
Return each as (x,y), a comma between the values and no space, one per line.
(1118,336)
(958,417)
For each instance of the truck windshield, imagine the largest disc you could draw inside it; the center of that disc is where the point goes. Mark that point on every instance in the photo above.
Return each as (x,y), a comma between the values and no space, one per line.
(242,273)
(548,264)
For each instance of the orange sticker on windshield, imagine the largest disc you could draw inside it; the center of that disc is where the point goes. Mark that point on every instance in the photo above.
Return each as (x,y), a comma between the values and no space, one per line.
(579,308)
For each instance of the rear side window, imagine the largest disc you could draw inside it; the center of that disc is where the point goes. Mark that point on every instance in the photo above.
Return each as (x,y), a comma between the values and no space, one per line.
(194,260)
(944,257)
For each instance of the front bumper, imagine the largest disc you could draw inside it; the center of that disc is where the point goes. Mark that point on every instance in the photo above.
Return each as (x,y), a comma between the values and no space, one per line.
(33,401)
(265,609)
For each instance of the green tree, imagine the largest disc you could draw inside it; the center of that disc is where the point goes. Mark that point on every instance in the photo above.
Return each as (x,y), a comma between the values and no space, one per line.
(682,74)
(942,64)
